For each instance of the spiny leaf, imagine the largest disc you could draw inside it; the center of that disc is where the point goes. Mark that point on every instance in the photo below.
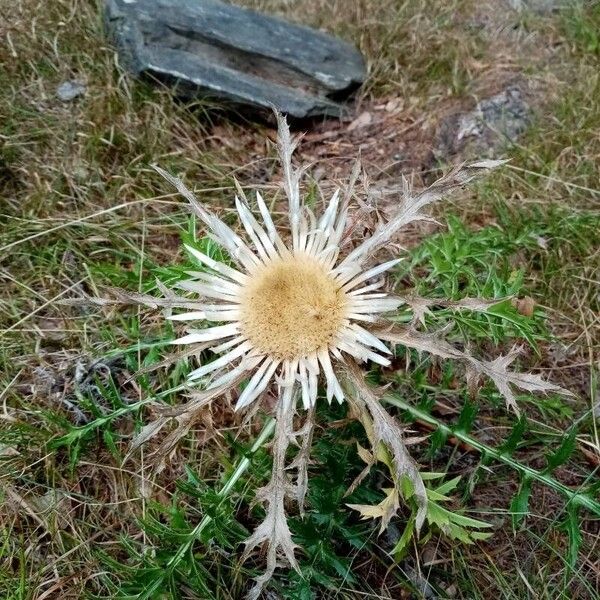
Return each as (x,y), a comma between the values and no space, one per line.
(448,486)
(516,435)
(571,526)
(563,452)
(451,523)
(370,460)
(519,506)
(410,208)
(399,549)
(274,530)
(184,415)
(385,510)
(302,459)
(386,433)
(420,306)
(497,369)
(118,297)
(467,417)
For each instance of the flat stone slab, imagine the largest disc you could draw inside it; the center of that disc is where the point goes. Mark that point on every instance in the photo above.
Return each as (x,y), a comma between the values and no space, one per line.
(209,49)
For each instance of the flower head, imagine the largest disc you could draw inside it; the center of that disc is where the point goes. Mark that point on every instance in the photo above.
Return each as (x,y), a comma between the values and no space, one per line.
(284,312)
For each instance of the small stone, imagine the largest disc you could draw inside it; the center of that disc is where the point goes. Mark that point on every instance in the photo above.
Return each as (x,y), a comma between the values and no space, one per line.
(71,89)
(362,120)
(428,555)
(394,105)
(206,48)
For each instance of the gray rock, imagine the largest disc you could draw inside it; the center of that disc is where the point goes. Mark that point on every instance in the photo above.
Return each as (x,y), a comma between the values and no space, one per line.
(207,48)
(69,90)
(486,130)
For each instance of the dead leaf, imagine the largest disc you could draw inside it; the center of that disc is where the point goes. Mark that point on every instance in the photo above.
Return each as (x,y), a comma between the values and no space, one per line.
(497,370)
(302,459)
(384,432)
(410,208)
(385,510)
(394,105)
(274,530)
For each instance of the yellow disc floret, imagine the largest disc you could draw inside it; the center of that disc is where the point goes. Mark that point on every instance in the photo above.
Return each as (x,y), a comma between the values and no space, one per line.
(292,307)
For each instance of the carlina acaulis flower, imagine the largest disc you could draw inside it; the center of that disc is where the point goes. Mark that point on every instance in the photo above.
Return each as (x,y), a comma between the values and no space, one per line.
(292,311)
(284,312)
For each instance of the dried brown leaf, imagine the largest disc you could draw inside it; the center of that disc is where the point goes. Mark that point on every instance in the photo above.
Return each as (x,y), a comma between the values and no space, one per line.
(411,206)
(421,306)
(385,510)
(184,416)
(386,431)
(274,530)
(369,460)
(302,460)
(497,370)
(118,297)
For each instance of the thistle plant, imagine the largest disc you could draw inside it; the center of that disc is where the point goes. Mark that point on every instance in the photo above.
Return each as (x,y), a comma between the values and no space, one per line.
(289,311)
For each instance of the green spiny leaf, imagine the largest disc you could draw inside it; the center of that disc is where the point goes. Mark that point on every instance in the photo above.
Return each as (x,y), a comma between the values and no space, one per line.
(467,417)
(515,437)
(401,546)
(571,526)
(519,506)
(563,452)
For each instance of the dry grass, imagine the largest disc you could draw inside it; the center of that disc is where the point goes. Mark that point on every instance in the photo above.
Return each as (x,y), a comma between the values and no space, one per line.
(81,208)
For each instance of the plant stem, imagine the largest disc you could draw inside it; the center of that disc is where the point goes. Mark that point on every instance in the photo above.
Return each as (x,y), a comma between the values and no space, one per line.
(526,471)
